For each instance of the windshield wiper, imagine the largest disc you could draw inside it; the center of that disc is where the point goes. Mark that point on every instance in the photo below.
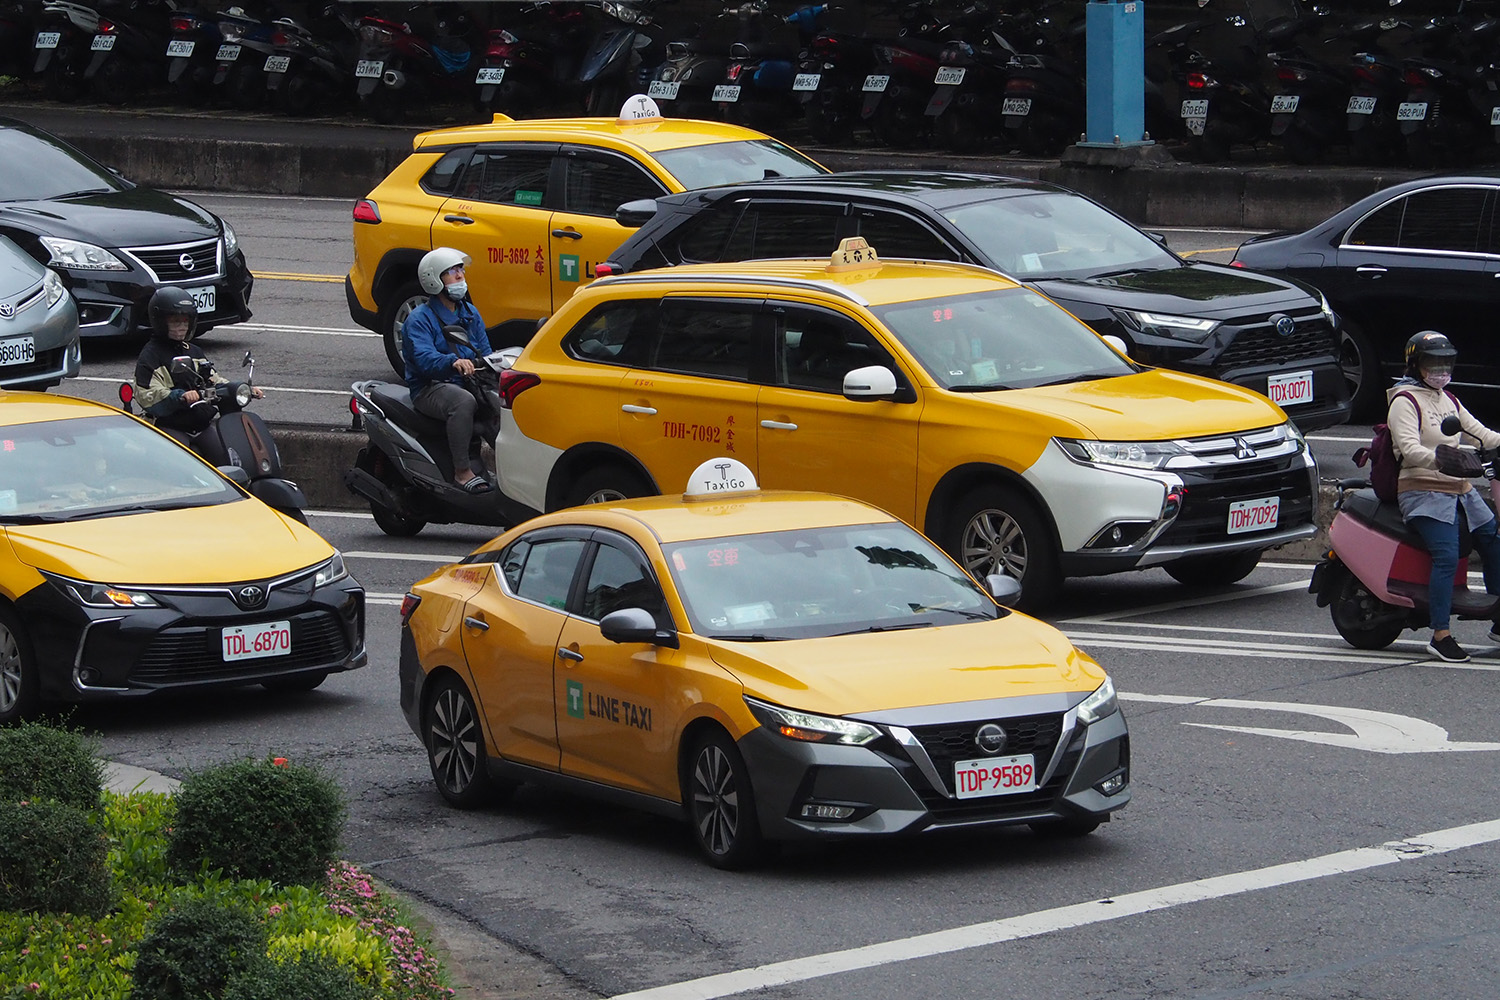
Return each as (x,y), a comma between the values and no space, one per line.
(34,519)
(749,637)
(79,194)
(1085,377)
(113,511)
(982,388)
(887,628)
(973,615)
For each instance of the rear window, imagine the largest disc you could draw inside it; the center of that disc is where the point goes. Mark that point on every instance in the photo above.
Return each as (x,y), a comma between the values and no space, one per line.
(735,162)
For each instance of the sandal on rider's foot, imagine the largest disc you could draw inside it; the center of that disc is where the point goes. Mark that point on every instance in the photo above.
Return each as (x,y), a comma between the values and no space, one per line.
(476,485)
(1448,650)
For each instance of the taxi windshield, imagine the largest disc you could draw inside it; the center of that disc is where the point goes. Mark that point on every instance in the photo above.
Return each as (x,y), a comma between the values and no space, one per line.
(1008,339)
(68,470)
(735,163)
(815,582)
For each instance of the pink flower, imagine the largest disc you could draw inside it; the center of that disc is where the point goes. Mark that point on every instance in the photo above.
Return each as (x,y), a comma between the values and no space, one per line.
(82,946)
(274,911)
(34,987)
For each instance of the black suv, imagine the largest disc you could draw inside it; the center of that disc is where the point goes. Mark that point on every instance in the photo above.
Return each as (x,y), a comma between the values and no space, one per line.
(113,242)
(1273,335)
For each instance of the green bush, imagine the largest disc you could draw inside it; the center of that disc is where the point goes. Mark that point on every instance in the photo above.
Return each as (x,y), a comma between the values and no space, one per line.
(38,761)
(137,843)
(195,948)
(258,819)
(54,858)
(310,977)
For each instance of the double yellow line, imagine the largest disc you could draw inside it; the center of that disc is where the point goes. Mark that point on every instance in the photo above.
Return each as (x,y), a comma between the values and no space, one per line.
(292,276)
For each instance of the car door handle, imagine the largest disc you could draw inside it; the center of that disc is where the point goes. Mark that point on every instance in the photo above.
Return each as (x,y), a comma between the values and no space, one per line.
(478,623)
(649,411)
(570,654)
(1374,270)
(567,234)
(777,425)
(462,220)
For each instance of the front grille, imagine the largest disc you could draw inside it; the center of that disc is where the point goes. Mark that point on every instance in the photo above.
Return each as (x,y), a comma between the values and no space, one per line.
(193,653)
(947,743)
(1258,344)
(1205,507)
(166,262)
(45,361)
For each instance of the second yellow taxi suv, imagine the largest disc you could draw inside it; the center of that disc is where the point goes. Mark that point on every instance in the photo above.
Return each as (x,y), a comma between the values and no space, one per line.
(969,406)
(533,205)
(767,665)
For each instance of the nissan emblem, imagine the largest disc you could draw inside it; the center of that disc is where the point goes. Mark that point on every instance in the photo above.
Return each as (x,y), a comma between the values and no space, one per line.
(990,738)
(186,261)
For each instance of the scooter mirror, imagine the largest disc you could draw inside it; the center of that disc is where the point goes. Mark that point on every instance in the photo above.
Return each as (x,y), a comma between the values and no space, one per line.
(457,334)
(234,474)
(247,360)
(181,365)
(1450,425)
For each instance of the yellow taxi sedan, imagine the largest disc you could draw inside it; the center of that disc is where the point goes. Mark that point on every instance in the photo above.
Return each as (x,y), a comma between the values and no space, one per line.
(129,566)
(770,666)
(533,205)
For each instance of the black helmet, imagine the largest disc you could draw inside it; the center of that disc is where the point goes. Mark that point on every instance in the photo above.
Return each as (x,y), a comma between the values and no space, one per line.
(1428,345)
(172,301)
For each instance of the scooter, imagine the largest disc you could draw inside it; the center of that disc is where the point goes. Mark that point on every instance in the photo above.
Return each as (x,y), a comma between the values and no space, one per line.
(233,440)
(64,36)
(239,68)
(1375,579)
(406,472)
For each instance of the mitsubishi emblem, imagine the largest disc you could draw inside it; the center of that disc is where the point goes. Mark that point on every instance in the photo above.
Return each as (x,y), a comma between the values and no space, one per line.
(1243,449)
(186,261)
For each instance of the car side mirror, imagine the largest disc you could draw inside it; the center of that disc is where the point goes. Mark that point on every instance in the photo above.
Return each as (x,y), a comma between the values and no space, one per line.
(1160,238)
(635,214)
(1004,589)
(1117,344)
(870,382)
(235,475)
(636,625)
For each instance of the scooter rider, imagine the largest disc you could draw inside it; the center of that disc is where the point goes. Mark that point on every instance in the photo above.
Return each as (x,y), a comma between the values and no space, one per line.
(436,366)
(1433,488)
(167,397)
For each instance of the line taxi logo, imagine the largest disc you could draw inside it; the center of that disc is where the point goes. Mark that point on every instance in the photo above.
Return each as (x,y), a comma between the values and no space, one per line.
(568,267)
(575,699)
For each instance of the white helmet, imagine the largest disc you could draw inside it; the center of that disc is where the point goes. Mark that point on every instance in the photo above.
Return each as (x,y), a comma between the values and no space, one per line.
(430,269)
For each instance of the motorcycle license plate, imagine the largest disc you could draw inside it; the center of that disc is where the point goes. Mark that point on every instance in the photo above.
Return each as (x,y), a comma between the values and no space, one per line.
(1195,109)
(204,298)
(1253,515)
(48,39)
(249,642)
(102,43)
(1016,106)
(17,351)
(1284,104)
(973,779)
(1411,111)
(727,93)
(277,64)
(1195,126)
(807,81)
(227,53)
(1361,106)
(180,47)
(876,83)
(367,69)
(488,74)
(1495,116)
(661,90)
(1290,389)
(950,75)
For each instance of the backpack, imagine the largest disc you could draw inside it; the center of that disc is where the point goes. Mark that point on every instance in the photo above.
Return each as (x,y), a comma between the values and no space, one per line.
(1380,454)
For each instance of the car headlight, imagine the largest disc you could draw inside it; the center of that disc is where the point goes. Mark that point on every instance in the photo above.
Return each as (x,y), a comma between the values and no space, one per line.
(80,256)
(811,728)
(331,571)
(1127,454)
(53,285)
(1328,313)
(1099,705)
(1165,325)
(231,241)
(101,595)
(1294,434)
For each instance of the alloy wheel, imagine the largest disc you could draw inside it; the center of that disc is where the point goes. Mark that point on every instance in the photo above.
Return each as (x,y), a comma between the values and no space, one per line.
(993,542)
(453,740)
(716,805)
(11,678)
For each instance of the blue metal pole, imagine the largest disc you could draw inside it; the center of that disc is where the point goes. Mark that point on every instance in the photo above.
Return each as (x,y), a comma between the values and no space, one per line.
(1116,74)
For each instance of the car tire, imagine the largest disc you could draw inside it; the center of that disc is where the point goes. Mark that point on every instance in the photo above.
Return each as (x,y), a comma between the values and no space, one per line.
(1363,619)
(19,694)
(1214,571)
(294,685)
(721,804)
(455,748)
(993,529)
(1075,826)
(1362,371)
(393,313)
(605,485)
(394,523)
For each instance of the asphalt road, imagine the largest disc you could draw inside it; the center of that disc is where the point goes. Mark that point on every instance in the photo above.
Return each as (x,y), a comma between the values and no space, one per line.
(1309,820)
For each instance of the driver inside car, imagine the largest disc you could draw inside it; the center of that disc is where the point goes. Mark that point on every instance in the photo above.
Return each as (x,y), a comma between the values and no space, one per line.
(171,370)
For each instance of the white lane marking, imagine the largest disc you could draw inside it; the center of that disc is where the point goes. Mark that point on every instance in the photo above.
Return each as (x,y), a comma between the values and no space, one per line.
(1330,439)
(324,331)
(1321,656)
(432,557)
(268,388)
(1217,630)
(1376,732)
(361,515)
(1095,911)
(1188,602)
(1237,646)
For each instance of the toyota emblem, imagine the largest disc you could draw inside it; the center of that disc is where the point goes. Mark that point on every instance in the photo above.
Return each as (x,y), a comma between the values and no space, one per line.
(250,597)
(186,261)
(990,739)
(7,310)
(1285,325)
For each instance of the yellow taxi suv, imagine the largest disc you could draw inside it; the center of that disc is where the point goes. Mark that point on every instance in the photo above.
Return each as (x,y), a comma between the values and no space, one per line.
(770,666)
(964,403)
(533,205)
(129,566)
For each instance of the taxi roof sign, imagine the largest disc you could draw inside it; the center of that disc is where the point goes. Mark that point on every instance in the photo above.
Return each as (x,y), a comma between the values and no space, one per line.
(719,476)
(854,254)
(638,108)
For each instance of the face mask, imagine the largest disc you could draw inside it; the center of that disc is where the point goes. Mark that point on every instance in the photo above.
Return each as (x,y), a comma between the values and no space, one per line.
(457,291)
(1438,380)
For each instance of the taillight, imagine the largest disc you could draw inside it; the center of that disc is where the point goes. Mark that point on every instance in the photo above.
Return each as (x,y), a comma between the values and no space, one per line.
(366,210)
(1015,86)
(608,268)
(734,71)
(408,605)
(1287,74)
(1236,263)
(1363,75)
(106,26)
(825,45)
(513,383)
(183,24)
(1200,81)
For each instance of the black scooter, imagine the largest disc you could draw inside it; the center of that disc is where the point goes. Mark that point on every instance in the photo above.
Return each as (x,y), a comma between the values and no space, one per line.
(233,440)
(406,472)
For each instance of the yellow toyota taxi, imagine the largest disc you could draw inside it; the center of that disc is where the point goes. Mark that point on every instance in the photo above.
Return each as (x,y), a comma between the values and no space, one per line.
(533,205)
(768,665)
(128,566)
(970,406)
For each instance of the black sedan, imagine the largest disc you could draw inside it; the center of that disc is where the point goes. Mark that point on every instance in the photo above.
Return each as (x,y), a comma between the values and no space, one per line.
(1264,333)
(114,242)
(1421,255)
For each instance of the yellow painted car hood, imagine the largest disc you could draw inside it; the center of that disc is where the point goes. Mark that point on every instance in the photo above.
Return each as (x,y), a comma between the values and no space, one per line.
(871,672)
(225,543)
